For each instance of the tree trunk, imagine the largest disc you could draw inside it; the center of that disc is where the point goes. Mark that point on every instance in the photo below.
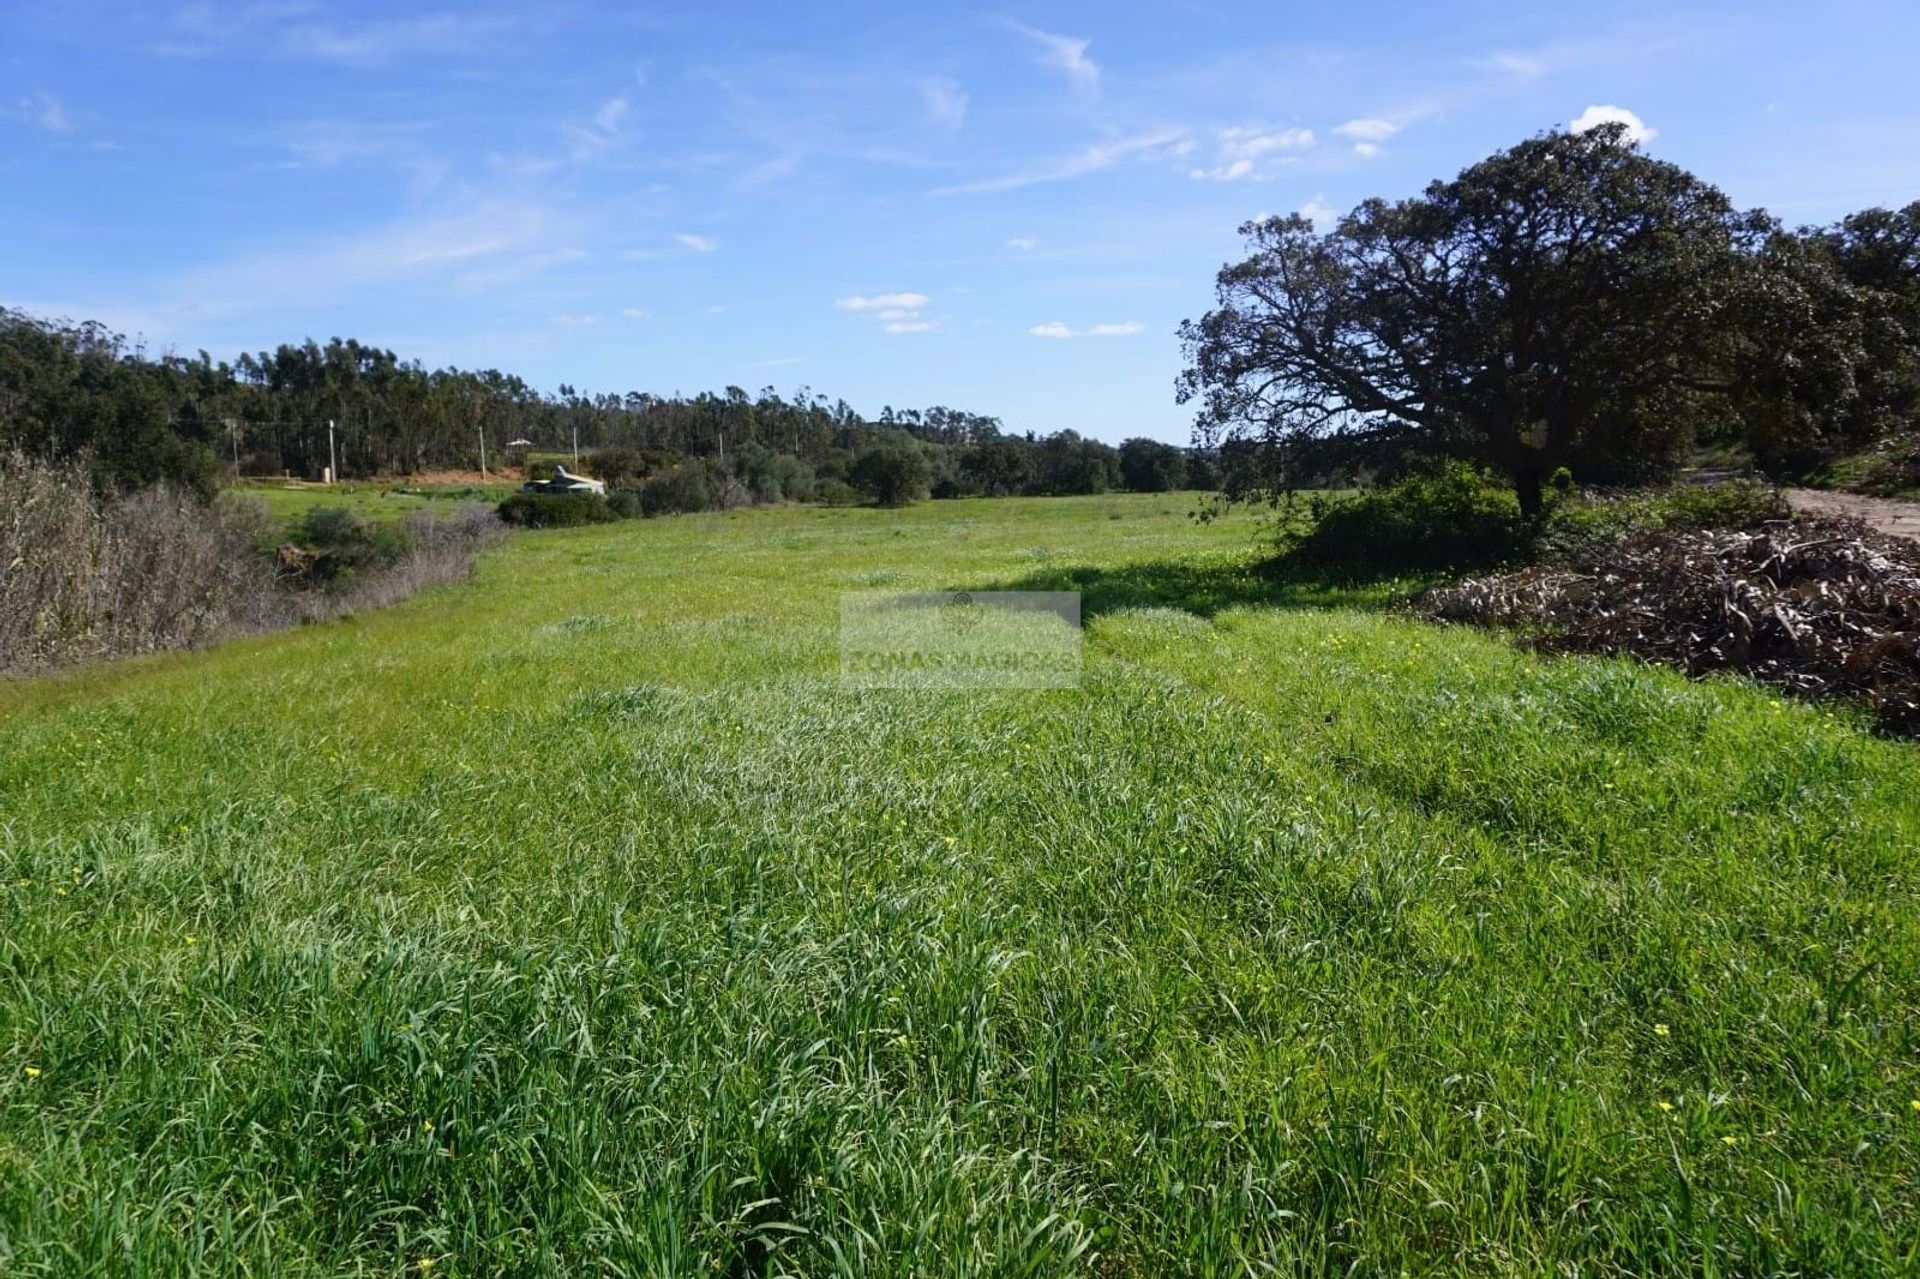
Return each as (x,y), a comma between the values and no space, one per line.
(1526,484)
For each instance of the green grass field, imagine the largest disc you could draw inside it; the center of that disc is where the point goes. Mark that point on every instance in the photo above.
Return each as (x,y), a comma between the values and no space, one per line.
(381,502)
(575,921)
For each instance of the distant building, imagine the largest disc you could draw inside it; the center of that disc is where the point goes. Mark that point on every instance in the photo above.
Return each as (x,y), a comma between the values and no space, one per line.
(564,481)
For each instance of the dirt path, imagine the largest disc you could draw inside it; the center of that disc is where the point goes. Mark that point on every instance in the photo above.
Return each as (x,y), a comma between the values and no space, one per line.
(1885,514)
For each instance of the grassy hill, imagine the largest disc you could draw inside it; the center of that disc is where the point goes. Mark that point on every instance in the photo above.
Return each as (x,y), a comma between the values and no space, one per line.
(575,921)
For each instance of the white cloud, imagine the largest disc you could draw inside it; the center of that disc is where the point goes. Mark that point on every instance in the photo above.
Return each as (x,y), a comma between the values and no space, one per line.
(1368,129)
(634,312)
(607,119)
(45,110)
(1595,116)
(1102,155)
(698,243)
(884,302)
(897,312)
(1366,150)
(1225,173)
(1241,150)
(575,321)
(1056,330)
(716,309)
(1066,54)
(1251,144)
(1320,213)
(946,101)
(1023,243)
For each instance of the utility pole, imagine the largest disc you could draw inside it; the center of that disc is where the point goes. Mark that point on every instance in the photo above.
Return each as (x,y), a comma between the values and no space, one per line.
(576,446)
(333,462)
(483,455)
(233,429)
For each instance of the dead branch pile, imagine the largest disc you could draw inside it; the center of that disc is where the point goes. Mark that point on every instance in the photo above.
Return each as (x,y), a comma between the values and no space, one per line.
(1823,608)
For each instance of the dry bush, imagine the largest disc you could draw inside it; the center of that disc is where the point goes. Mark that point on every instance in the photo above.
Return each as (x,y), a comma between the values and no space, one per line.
(85,577)
(439,549)
(1823,608)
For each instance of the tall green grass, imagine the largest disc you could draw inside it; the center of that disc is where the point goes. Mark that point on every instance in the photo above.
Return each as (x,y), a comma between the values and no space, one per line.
(574,921)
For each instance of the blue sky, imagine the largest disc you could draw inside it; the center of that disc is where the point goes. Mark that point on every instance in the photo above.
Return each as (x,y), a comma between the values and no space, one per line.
(1007,209)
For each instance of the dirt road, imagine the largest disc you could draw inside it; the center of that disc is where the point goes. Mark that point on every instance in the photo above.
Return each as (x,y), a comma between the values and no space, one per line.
(1886,515)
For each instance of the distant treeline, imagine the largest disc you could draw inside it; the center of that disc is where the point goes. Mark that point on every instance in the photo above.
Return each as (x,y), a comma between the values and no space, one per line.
(72,388)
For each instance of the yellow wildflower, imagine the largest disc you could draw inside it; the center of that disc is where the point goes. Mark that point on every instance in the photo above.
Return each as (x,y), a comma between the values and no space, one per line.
(1660,1029)
(1730,1140)
(33,1072)
(1666,1106)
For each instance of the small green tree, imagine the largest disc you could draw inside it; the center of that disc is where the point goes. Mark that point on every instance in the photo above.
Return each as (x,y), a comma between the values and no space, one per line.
(1150,466)
(892,471)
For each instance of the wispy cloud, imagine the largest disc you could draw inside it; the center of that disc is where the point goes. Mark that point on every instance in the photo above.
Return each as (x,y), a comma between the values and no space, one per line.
(698,243)
(590,138)
(45,110)
(1023,244)
(331,144)
(1593,117)
(1521,66)
(1056,330)
(374,44)
(946,101)
(607,119)
(1066,54)
(912,326)
(634,312)
(1101,155)
(480,247)
(575,321)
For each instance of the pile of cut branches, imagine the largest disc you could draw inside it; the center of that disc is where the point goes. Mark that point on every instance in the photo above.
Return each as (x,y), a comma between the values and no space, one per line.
(1823,608)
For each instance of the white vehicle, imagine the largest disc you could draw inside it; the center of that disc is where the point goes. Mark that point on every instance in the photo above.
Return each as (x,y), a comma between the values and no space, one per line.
(565,481)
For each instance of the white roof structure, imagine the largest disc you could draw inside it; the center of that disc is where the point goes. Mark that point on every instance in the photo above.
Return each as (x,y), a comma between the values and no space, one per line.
(565,481)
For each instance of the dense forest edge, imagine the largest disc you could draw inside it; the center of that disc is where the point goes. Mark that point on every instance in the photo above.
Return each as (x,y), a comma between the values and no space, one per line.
(72,388)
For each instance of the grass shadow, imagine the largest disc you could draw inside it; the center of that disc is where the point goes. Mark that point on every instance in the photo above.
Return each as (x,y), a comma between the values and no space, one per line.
(1205,587)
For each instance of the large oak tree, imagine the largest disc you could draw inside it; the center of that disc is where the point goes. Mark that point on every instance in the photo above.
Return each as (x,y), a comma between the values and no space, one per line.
(1561,303)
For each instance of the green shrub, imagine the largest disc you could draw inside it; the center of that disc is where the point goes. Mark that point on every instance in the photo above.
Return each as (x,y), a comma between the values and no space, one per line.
(681,490)
(346,542)
(332,528)
(626,504)
(1454,518)
(1580,527)
(836,493)
(556,510)
(1733,504)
